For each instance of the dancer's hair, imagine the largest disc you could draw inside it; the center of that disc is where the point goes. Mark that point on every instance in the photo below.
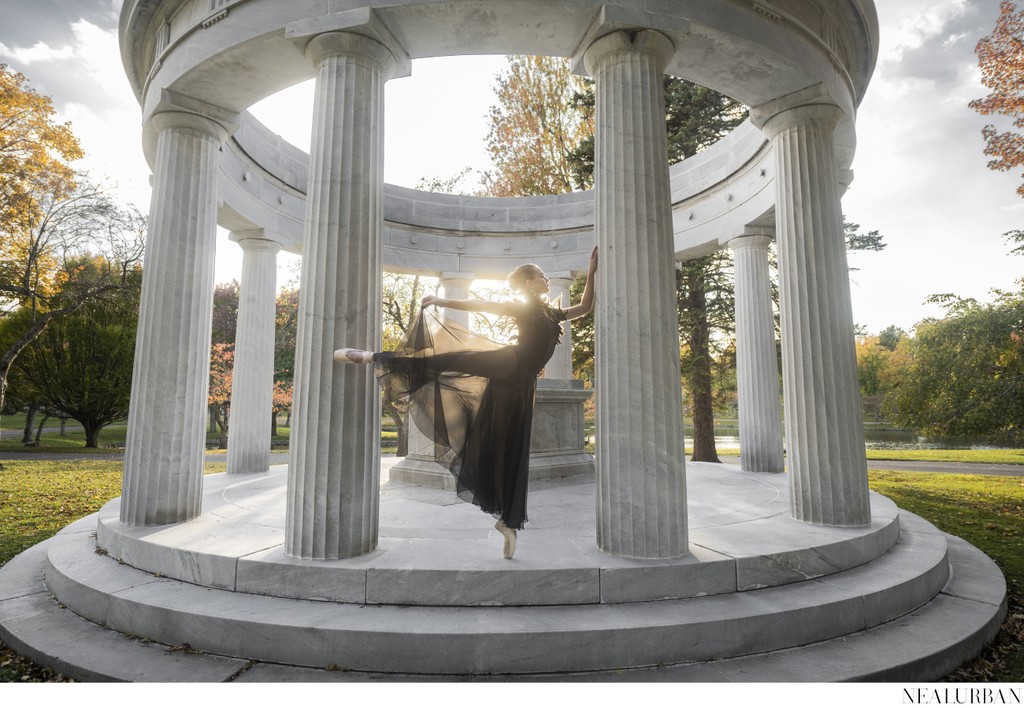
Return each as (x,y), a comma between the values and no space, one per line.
(527,271)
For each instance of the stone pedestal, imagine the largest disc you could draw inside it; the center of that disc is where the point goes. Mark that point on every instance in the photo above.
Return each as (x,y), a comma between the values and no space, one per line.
(641,483)
(252,382)
(556,444)
(757,370)
(166,444)
(560,366)
(824,428)
(334,462)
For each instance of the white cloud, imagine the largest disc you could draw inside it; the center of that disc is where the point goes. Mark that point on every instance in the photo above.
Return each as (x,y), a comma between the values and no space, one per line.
(38,52)
(86,80)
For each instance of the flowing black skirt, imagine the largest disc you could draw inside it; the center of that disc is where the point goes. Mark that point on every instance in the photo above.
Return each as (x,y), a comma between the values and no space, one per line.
(471,398)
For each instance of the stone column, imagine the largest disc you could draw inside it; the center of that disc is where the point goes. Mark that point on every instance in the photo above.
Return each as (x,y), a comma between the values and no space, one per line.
(641,481)
(757,371)
(334,462)
(456,287)
(166,444)
(824,426)
(252,381)
(560,366)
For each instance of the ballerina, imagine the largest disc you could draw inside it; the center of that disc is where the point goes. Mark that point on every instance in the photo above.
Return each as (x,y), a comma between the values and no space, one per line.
(473,397)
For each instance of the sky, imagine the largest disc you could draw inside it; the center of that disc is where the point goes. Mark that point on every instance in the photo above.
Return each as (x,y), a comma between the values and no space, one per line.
(920,176)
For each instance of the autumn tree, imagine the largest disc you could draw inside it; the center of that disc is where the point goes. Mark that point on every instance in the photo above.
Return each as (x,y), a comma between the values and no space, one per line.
(534,128)
(35,157)
(50,218)
(43,274)
(1001,58)
(222,361)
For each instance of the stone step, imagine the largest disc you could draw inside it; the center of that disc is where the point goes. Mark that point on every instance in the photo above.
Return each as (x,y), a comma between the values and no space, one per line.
(513,640)
(922,645)
(742,538)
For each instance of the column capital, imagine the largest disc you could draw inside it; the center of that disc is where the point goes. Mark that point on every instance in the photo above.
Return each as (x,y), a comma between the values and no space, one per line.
(165,120)
(456,276)
(176,110)
(254,240)
(809,105)
(624,43)
(754,237)
(825,114)
(565,276)
(615,18)
(319,37)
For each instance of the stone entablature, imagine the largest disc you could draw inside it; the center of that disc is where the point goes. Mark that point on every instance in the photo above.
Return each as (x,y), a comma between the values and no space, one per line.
(714,194)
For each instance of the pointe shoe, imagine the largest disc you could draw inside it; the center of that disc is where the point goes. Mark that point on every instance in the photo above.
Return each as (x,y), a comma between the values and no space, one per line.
(510,539)
(353,356)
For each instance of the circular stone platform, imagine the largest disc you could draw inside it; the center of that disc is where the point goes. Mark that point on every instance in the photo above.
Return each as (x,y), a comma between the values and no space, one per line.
(760,597)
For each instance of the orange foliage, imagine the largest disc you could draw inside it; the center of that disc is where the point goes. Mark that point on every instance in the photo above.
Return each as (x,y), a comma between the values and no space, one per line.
(1001,58)
(34,152)
(534,128)
(222,361)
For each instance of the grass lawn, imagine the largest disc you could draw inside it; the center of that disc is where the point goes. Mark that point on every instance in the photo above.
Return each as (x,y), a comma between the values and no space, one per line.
(39,497)
(986,511)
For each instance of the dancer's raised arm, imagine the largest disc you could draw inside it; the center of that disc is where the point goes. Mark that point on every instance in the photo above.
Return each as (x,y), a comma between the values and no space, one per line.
(470,305)
(586,303)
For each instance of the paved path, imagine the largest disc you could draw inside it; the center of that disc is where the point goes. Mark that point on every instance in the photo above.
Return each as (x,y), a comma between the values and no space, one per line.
(944,467)
(281,458)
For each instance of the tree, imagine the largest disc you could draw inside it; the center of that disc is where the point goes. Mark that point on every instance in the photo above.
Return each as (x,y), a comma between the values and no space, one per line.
(35,153)
(873,373)
(285,338)
(706,310)
(43,274)
(222,360)
(1001,59)
(890,337)
(534,128)
(963,374)
(224,320)
(81,366)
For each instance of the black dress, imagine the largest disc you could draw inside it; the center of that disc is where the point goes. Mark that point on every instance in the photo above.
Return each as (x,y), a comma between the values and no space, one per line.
(474,399)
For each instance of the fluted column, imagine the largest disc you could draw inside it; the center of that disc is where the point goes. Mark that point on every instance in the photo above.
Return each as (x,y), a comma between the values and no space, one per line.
(560,365)
(163,465)
(334,461)
(252,380)
(641,485)
(456,287)
(824,428)
(757,370)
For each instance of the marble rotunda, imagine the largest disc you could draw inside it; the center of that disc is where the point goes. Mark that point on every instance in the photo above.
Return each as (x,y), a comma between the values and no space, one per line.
(646,568)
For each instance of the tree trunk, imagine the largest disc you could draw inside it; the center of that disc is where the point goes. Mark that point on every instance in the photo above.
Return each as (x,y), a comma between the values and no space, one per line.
(92,435)
(700,373)
(273,424)
(63,426)
(220,417)
(39,430)
(213,419)
(26,433)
